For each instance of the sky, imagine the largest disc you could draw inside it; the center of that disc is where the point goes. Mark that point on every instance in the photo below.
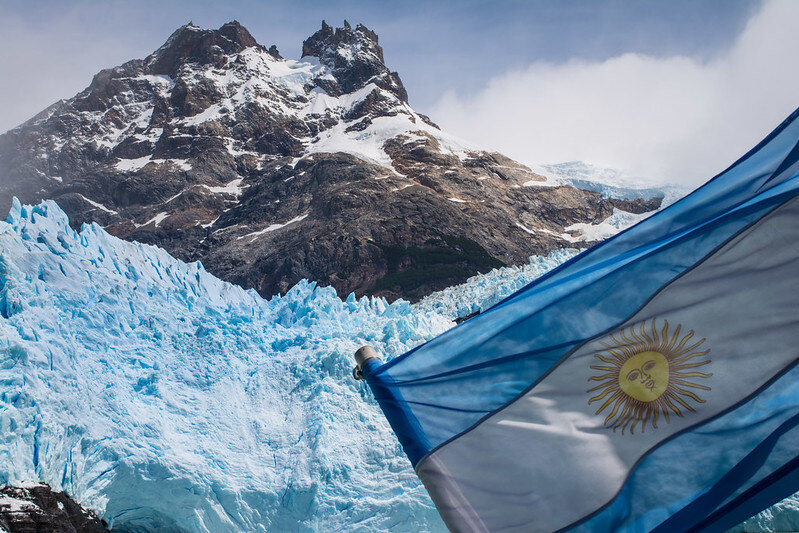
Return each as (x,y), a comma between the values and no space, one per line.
(672,91)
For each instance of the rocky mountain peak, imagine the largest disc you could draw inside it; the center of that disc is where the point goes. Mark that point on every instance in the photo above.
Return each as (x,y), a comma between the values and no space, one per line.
(354,57)
(327,41)
(272,170)
(190,44)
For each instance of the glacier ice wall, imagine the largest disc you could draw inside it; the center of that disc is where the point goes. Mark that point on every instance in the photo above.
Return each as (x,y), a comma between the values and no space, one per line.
(164,398)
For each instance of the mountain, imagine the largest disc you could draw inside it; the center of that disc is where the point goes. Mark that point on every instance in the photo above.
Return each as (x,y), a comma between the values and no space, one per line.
(272,170)
(164,399)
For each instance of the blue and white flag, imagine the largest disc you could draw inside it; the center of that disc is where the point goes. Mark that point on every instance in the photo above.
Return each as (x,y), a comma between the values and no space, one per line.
(649,383)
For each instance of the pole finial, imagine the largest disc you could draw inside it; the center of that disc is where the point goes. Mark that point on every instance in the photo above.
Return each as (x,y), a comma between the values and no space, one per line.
(362,356)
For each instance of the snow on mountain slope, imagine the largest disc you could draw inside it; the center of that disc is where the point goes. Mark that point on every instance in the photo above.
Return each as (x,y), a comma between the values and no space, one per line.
(162,397)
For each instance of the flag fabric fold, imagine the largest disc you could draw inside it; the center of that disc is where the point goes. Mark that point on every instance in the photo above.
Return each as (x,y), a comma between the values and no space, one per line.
(650,382)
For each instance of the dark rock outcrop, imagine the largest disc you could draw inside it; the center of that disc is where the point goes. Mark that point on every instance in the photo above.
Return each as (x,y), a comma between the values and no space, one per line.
(354,59)
(39,509)
(190,44)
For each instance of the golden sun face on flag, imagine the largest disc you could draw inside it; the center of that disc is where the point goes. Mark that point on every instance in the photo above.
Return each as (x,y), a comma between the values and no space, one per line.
(648,374)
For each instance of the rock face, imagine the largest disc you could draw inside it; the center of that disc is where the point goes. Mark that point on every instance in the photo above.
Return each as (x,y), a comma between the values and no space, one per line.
(271,170)
(39,509)
(353,58)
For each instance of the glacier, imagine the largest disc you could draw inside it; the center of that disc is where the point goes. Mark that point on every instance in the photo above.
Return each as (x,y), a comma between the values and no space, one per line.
(610,182)
(166,399)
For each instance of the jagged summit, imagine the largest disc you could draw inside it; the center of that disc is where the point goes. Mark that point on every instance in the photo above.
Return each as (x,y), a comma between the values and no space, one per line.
(190,43)
(354,57)
(271,170)
(327,39)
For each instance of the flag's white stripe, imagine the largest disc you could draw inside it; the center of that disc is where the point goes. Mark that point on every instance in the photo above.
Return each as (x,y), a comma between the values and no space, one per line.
(547,460)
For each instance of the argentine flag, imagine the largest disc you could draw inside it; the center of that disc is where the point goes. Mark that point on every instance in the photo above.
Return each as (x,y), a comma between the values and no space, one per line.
(648,384)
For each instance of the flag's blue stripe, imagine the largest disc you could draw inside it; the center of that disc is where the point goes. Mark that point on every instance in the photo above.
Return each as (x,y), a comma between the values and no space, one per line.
(395,408)
(789,161)
(736,478)
(450,383)
(736,454)
(401,404)
(773,489)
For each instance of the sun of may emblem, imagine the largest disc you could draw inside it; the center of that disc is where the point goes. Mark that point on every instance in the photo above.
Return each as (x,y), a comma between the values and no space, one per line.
(647,372)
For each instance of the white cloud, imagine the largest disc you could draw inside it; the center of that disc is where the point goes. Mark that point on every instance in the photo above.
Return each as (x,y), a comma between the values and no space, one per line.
(673,119)
(53,56)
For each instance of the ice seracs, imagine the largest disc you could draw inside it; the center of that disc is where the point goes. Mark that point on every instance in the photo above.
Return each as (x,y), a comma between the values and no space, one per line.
(156,394)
